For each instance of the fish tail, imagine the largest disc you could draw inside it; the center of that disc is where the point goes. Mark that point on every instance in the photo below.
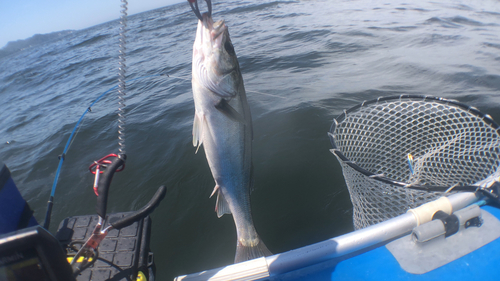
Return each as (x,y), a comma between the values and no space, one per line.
(244,253)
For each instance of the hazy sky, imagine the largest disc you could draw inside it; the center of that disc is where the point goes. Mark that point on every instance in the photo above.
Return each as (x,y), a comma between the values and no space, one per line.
(20,19)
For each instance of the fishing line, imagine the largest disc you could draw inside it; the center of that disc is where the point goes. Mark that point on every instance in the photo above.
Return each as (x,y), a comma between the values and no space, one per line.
(79,128)
(186,79)
(271,95)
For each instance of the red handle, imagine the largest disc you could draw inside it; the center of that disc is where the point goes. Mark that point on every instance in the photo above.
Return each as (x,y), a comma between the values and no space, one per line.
(104,160)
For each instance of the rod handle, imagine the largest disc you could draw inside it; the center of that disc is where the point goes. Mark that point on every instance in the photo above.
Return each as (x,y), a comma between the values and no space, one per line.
(104,183)
(143,212)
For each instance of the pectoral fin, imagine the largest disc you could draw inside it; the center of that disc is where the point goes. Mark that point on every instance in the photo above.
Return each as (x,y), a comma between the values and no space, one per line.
(224,107)
(198,125)
(221,86)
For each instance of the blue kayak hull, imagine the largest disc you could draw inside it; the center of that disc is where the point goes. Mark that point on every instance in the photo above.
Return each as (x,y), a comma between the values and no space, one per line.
(380,264)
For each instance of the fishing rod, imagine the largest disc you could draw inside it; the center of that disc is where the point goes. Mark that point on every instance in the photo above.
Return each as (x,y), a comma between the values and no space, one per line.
(50,203)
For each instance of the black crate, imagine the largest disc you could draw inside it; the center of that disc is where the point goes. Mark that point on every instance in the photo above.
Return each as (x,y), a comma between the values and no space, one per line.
(121,255)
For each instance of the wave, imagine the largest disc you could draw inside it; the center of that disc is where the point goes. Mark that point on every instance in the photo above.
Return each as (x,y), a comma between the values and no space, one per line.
(475,79)
(439,39)
(90,41)
(493,45)
(294,63)
(284,16)
(456,22)
(256,7)
(465,21)
(307,35)
(442,22)
(397,28)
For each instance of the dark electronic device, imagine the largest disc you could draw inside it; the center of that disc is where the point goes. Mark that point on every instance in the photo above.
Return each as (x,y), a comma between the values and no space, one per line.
(33,254)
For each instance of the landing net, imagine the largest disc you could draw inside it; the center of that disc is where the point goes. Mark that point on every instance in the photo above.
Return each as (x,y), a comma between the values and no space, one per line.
(388,145)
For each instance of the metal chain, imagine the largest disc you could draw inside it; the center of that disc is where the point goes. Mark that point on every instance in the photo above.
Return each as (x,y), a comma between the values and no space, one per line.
(121,78)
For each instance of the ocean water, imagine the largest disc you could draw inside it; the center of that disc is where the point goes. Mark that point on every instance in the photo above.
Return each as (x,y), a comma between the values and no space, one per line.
(303,63)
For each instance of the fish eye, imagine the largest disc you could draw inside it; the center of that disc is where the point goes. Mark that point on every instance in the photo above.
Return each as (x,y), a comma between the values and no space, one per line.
(229,48)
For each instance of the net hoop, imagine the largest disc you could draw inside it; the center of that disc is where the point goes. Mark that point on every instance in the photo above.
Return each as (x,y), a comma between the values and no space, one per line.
(447,127)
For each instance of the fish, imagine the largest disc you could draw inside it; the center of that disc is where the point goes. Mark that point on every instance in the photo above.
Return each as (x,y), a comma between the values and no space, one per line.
(223,125)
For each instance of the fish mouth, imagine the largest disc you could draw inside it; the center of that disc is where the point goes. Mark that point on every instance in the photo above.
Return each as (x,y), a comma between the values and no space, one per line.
(218,28)
(214,29)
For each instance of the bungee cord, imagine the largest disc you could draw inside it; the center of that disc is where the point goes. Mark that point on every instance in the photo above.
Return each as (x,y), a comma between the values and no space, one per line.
(122,70)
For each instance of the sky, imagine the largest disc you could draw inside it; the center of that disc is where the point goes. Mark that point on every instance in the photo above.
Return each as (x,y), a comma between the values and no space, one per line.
(21,19)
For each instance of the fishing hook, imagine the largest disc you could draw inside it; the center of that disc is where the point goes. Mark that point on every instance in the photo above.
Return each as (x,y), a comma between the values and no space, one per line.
(196,9)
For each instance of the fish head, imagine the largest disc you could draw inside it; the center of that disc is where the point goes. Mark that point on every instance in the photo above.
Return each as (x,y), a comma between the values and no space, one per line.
(215,64)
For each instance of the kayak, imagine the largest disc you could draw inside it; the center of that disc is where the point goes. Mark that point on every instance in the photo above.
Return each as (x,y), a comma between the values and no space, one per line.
(388,251)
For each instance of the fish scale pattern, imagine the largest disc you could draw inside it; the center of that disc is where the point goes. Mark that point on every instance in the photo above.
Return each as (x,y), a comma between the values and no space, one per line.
(450,144)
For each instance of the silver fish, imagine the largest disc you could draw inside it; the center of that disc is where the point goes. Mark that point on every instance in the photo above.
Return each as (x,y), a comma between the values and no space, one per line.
(222,123)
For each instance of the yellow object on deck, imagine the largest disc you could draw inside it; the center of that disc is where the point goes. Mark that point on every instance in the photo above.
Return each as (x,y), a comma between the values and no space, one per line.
(80,259)
(141,276)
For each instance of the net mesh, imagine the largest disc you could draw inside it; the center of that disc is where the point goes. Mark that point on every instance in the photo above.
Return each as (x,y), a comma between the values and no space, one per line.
(451,144)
